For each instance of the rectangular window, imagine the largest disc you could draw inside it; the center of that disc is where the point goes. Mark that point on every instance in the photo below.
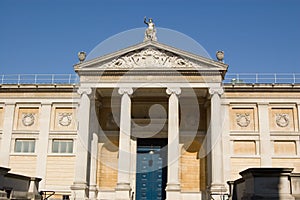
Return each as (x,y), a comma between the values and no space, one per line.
(24,146)
(62,146)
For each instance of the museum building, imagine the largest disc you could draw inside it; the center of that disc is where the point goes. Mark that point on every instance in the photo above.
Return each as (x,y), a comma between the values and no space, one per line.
(149,121)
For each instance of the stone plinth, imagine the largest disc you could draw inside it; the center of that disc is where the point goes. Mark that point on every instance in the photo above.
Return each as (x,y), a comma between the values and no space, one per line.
(263,183)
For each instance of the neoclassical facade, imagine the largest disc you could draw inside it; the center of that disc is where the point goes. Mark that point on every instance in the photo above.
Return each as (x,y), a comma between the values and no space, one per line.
(147,122)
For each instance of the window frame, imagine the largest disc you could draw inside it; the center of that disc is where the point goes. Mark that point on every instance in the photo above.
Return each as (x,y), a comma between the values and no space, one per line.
(60,149)
(30,149)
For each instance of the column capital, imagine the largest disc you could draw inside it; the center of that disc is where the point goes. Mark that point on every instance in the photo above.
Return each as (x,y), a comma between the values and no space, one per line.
(85,90)
(173,90)
(216,90)
(128,91)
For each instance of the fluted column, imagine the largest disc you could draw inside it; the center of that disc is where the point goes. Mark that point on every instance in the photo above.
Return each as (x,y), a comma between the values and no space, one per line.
(173,184)
(215,144)
(123,185)
(79,187)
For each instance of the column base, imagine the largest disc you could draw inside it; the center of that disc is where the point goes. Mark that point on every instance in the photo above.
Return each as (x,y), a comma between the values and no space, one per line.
(79,191)
(123,191)
(173,191)
(215,190)
(93,192)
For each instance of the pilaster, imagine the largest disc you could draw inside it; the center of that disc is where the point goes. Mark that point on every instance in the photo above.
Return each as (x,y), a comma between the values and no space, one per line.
(264,134)
(7,134)
(173,184)
(93,191)
(42,144)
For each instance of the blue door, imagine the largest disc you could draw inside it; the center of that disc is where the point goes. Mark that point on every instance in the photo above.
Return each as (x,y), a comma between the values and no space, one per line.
(151,173)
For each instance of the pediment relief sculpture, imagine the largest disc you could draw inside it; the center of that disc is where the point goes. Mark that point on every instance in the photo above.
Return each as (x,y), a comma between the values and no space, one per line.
(282,120)
(243,120)
(149,57)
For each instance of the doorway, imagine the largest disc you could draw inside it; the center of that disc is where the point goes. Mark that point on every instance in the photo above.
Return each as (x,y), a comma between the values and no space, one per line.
(151,174)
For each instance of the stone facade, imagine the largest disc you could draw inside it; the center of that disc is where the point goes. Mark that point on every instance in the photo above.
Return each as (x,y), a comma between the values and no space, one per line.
(83,140)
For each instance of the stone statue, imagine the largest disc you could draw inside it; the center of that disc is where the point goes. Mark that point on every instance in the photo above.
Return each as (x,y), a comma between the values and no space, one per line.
(150,33)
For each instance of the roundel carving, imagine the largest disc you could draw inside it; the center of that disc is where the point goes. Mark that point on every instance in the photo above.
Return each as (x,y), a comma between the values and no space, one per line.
(282,120)
(64,119)
(28,119)
(243,120)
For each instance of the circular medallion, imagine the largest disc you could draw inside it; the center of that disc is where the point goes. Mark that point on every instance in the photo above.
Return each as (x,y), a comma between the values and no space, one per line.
(243,120)
(28,119)
(65,119)
(282,120)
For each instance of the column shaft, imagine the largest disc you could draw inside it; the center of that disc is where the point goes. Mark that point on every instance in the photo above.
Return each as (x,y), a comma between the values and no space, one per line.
(79,187)
(173,184)
(123,186)
(217,179)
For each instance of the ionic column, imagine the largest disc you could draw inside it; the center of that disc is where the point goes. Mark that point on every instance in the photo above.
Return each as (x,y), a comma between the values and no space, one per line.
(215,144)
(79,187)
(9,110)
(123,185)
(173,184)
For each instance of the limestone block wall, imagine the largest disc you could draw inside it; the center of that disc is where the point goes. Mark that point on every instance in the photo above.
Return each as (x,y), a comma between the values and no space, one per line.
(107,170)
(262,129)
(192,167)
(40,131)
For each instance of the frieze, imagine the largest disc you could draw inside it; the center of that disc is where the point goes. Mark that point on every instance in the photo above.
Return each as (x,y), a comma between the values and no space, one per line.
(64,119)
(28,119)
(243,120)
(149,57)
(282,120)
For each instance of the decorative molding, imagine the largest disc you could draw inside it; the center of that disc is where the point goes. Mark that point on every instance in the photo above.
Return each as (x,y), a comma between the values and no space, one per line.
(175,90)
(28,119)
(282,120)
(149,57)
(128,91)
(64,119)
(216,90)
(243,120)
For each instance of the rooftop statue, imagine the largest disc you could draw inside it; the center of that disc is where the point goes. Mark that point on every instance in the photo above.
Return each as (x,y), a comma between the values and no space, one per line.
(150,33)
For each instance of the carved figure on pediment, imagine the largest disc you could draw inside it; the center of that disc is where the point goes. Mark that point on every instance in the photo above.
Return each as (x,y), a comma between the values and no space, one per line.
(64,119)
(149,57)
(150,33)
(28,119)
(243,120)
(282,120)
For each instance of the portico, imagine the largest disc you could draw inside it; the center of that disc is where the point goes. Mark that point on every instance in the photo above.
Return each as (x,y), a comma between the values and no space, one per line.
(149,91)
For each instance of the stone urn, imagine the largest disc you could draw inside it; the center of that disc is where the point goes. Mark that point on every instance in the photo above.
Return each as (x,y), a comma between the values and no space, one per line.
(220,55)
(81,56)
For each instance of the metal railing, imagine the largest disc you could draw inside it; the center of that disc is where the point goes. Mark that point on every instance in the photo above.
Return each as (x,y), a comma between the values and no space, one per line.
(272,78)
(39,79)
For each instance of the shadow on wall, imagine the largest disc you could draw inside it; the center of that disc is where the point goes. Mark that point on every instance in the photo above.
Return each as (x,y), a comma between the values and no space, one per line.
(266,183)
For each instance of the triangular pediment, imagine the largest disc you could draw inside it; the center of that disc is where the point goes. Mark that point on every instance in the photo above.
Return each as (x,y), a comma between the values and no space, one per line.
(150,55)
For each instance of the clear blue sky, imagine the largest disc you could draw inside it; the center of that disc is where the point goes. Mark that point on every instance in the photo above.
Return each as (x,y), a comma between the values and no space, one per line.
(44,36)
